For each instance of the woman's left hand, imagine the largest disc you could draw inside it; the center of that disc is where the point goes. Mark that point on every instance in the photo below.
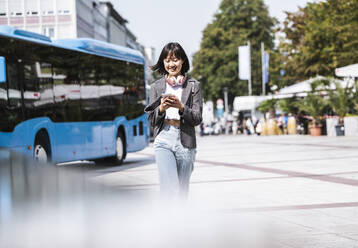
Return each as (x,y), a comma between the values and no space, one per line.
(176,103)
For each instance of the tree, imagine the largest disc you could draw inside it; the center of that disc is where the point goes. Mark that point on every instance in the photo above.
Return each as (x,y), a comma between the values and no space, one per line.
(288,105)
(319,38)
(268,105)
(216,63)
(355,96)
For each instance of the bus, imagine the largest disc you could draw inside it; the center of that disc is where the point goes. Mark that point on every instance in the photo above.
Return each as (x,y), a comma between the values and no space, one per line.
(70,99)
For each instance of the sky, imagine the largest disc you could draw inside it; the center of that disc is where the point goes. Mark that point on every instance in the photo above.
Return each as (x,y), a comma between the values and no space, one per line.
(157,22)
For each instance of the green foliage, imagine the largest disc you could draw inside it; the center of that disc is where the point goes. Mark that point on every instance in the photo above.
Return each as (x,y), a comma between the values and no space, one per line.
(340,100)
(267,105)
(320,37)
(216,63)
(288,105)
(355,96)
(313,105)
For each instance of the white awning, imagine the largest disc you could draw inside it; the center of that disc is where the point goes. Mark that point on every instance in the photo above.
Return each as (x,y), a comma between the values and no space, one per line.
(347,71)
(242,103)
(302,88)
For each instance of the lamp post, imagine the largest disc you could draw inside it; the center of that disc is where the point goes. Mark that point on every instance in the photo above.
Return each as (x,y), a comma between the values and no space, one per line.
(226,109)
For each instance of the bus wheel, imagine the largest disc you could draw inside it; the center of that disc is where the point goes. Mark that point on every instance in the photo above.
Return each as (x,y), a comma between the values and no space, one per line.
(42,150)
(120,149)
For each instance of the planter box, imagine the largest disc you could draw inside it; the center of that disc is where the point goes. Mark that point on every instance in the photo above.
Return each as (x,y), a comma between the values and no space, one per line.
(331,126)
(351,126)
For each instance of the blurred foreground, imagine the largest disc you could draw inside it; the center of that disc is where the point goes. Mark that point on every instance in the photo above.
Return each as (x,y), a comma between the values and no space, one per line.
(246,191)
(44,205)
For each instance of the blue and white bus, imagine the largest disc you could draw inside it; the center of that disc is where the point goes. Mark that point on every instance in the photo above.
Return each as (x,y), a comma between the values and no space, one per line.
(71,99)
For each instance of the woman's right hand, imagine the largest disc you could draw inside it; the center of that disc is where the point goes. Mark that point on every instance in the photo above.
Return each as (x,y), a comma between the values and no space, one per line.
(164,104)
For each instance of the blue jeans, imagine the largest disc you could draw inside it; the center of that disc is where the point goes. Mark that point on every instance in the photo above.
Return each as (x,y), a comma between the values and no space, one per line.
(175,162)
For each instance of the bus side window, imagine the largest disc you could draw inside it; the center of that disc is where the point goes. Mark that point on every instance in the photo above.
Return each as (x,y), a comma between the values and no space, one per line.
(116,72)
(14,112)
(90,107)
(66,86)
(38,93)
(106,91)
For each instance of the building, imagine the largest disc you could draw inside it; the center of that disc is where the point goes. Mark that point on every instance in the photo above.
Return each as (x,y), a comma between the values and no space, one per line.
(149,56)
(116,24)
(61,19)
(68,19)
(56,19)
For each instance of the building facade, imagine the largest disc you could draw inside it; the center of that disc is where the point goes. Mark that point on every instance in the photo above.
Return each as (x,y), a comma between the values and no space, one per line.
(53,18)
(61,19)
(116,24)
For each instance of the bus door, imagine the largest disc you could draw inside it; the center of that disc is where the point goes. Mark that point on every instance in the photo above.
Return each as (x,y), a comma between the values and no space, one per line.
(69,138)
(107,116)
(14,110)
(90,106)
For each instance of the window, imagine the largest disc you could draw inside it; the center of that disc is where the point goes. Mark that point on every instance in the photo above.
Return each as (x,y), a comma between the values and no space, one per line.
(134,130)
(141,130)
(47,7)
(13,111)
(64,7)
(31,7)
(89,89)
(49,31)
(16,7)
(66,86)
(3,7)
(38,92)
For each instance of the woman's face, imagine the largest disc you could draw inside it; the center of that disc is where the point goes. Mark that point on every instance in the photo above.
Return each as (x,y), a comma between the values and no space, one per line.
(173,65)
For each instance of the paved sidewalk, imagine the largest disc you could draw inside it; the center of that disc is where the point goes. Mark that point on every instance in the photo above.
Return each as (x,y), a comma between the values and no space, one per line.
(304,189)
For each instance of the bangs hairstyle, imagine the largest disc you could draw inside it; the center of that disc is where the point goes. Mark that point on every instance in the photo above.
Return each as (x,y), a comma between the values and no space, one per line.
(172,48)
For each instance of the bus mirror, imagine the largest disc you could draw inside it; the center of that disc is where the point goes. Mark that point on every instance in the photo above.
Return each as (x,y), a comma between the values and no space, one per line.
(2,70)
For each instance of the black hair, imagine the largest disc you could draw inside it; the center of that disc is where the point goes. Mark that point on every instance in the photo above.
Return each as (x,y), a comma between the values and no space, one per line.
(172,48)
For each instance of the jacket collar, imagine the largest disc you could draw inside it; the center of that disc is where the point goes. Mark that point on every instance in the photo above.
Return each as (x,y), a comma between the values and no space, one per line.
(186,89)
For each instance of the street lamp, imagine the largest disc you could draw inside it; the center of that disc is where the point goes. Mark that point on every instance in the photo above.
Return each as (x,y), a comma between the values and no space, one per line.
(226,109)
(226,101)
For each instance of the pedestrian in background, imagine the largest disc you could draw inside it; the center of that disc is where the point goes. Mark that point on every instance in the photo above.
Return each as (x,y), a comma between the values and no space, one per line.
(175,108)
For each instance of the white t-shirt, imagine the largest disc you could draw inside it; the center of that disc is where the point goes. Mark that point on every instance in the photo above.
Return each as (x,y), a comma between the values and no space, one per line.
(173,113)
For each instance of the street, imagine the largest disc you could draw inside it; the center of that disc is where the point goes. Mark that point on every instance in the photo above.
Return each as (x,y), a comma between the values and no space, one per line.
(305,187)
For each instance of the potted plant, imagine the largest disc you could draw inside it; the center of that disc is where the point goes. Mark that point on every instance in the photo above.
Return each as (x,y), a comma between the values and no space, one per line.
(314,105)
(339,100)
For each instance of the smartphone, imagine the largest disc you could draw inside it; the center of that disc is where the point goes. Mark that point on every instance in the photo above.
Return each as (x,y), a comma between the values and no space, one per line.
(166,95)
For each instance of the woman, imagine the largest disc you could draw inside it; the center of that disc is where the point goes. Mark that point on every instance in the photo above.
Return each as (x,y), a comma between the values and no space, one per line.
(175,108)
